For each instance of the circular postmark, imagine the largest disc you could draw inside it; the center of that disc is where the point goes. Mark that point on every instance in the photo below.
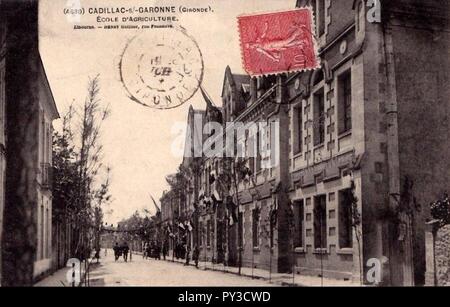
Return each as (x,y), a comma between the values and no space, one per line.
(161,68)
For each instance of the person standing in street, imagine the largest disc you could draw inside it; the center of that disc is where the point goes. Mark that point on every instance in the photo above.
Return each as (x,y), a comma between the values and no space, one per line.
(186,250)
(149,251)
(144,251)
(195,255)
(116,249)
(164,249)
(125,250)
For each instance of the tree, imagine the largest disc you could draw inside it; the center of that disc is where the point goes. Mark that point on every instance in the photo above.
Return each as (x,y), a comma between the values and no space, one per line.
(356,224)
(78,186)
(268,230)
(65,178)
(440,211)
(235,171)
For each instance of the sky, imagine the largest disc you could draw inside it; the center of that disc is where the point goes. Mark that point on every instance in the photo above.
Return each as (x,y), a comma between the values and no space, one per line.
(138,141)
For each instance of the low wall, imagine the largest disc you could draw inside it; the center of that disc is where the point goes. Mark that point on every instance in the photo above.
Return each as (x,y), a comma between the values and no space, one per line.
(438,257)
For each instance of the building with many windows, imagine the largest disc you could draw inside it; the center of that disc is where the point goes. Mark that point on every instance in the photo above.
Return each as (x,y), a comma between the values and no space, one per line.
(360,150)
(362,135)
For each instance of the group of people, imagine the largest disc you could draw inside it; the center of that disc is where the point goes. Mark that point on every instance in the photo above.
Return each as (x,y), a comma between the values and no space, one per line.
(182,251)
(121,250)
(153,250)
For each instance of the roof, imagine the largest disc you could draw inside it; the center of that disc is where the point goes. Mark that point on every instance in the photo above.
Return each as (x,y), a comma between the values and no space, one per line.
(195,135)
(49,90)
(236,80)
(241,80)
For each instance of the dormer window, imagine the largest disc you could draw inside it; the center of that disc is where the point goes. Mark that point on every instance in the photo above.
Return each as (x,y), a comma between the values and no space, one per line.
(319,12)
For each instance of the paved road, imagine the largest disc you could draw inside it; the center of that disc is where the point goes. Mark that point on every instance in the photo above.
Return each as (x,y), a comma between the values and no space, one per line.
(141,272)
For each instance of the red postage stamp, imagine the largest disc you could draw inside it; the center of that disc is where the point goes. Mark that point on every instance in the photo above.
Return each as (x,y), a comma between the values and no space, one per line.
(278,42)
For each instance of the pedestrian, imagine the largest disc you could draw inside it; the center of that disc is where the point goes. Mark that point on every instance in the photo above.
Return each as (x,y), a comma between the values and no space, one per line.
(183,250)
(144,251)
(116,249)
(195,255)
(186,252)
(155,251)
(158,251)
(125,250)
(149,251)
(97,254)
(164,249)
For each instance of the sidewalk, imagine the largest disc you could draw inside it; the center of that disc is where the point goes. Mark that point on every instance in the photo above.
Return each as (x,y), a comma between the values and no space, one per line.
(274,278)
(59,278)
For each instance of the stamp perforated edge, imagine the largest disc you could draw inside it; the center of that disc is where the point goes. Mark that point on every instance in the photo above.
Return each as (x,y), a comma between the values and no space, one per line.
(315,43)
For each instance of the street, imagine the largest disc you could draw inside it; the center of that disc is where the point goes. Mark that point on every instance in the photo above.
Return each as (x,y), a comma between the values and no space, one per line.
(149,272)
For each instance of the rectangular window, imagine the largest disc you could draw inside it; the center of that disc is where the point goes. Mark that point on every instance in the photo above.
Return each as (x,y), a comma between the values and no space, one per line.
(251,153)
(299,223)
(320,221)
(298,129)
(208,178)
(345,220)
(208,233)
(200,238)
(41,230)
(47,234)
(319,117)
(320,16)
(255,227)
(258,152)
(272,232)
(2,102)
(345,102)
(241,229)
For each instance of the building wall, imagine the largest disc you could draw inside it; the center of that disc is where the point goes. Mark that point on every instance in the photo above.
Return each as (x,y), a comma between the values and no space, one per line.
(324,169)
(262,255)
(422,79)
(399,79)
(26,242)
(2,125)
(393,69)
(442,256)
(22,75)
(44,206)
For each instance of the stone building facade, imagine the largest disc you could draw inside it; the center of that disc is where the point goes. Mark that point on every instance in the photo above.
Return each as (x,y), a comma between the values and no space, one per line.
(361,150)
(28,111)
(368,119)
(438,256)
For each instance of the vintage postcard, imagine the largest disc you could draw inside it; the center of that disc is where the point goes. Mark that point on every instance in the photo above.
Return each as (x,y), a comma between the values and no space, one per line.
(218,143)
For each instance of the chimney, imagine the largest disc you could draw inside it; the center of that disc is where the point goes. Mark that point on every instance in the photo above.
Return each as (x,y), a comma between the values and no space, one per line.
(253,90)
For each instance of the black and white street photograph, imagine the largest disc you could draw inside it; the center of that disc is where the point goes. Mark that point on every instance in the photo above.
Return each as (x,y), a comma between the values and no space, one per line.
(198,144)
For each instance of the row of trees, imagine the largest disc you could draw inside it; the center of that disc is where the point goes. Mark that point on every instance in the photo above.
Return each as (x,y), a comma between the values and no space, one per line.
(81,181)
(138,227)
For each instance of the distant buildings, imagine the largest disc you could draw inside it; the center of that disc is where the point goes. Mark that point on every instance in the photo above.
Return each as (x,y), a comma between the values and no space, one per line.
(27,109)
(362,148)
